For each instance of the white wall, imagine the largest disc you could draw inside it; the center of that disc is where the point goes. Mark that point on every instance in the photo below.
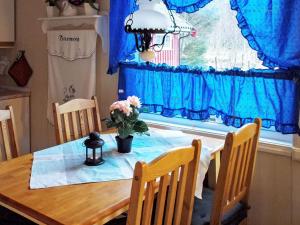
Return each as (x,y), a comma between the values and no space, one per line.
(271,190)
(30,38)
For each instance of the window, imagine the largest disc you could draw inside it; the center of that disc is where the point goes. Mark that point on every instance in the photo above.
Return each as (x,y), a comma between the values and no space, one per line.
(217,43)
(158,38)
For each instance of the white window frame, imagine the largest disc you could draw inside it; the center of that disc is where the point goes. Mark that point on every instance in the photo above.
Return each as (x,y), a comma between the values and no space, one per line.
(168,44)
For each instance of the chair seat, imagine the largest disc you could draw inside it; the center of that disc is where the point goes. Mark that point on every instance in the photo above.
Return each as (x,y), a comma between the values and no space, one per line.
(203,207)
(202,212)
(7,217)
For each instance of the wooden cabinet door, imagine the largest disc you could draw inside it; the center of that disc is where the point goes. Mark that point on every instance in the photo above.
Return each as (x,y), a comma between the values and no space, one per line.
(7,23)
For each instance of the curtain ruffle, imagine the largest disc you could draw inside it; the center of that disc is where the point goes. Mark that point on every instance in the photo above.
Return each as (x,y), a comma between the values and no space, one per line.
(236,96)
(266,73)
(228,120)
(182,6)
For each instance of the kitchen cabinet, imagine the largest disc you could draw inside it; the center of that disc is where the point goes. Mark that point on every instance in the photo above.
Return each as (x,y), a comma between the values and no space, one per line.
(20,101)
(7,23)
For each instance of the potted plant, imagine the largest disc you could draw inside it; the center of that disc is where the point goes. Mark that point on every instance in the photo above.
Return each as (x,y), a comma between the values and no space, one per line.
(91,7)
(52,8)
(124,116)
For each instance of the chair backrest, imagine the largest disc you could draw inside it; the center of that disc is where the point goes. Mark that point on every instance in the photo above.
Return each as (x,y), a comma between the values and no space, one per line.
(8,133)
(177,173)
(237,166)
(76,119)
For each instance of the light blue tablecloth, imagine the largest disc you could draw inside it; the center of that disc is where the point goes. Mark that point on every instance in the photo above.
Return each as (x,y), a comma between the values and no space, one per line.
(64,164)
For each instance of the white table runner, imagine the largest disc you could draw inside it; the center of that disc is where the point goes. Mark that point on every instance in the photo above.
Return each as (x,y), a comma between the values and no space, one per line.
(63,164)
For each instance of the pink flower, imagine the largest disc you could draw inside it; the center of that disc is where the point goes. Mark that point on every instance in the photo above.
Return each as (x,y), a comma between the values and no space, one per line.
(135,101)
(114,106)
(123,106)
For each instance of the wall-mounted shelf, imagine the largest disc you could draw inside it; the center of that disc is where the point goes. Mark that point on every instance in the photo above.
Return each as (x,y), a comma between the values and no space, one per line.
(97,22)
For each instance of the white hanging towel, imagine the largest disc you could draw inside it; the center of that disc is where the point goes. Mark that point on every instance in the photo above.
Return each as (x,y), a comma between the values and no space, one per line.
(71,66)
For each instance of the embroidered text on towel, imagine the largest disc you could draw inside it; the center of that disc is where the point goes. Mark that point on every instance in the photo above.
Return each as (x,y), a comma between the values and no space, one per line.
(63,38)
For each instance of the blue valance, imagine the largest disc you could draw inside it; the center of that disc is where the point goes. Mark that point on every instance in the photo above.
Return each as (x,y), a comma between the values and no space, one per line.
(237,96)
(122,45)
(272,29)
(188,6)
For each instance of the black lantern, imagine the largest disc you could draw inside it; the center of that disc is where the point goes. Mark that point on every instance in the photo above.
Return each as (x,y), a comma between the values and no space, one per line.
(94,142)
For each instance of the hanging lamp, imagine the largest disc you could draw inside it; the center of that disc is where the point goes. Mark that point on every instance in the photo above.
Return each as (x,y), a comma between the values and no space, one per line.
(152,17)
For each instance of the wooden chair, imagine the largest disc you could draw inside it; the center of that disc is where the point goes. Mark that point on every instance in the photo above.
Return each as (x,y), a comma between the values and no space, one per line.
(11,150)
(8,133)
(228,205)
(173,192)
(76,119)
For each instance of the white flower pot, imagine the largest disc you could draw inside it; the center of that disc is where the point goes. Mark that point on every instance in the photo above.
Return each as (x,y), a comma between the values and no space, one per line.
(89,11)
(68,9)
(52,11)
(80,10)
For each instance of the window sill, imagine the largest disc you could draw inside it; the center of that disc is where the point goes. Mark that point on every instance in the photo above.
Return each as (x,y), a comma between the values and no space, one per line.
(265,145)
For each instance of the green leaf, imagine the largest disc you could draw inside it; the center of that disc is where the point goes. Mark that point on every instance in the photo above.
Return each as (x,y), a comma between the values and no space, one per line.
(110,124)
(118,116)
(92,4)
(124,132)
(140,127)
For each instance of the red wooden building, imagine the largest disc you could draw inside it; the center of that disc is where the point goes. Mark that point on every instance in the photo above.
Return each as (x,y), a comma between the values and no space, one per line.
(170,54)
(171,51)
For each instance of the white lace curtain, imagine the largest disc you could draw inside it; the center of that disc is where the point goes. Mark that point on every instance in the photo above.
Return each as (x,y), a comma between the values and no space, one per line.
(227,48)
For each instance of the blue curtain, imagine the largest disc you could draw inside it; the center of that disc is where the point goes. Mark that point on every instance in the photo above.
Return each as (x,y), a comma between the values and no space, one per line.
(188,6)
(237,96)
(272,28)
(122,45)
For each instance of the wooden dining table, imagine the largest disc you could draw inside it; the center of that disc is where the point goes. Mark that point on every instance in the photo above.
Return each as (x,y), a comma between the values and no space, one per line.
(85,204)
